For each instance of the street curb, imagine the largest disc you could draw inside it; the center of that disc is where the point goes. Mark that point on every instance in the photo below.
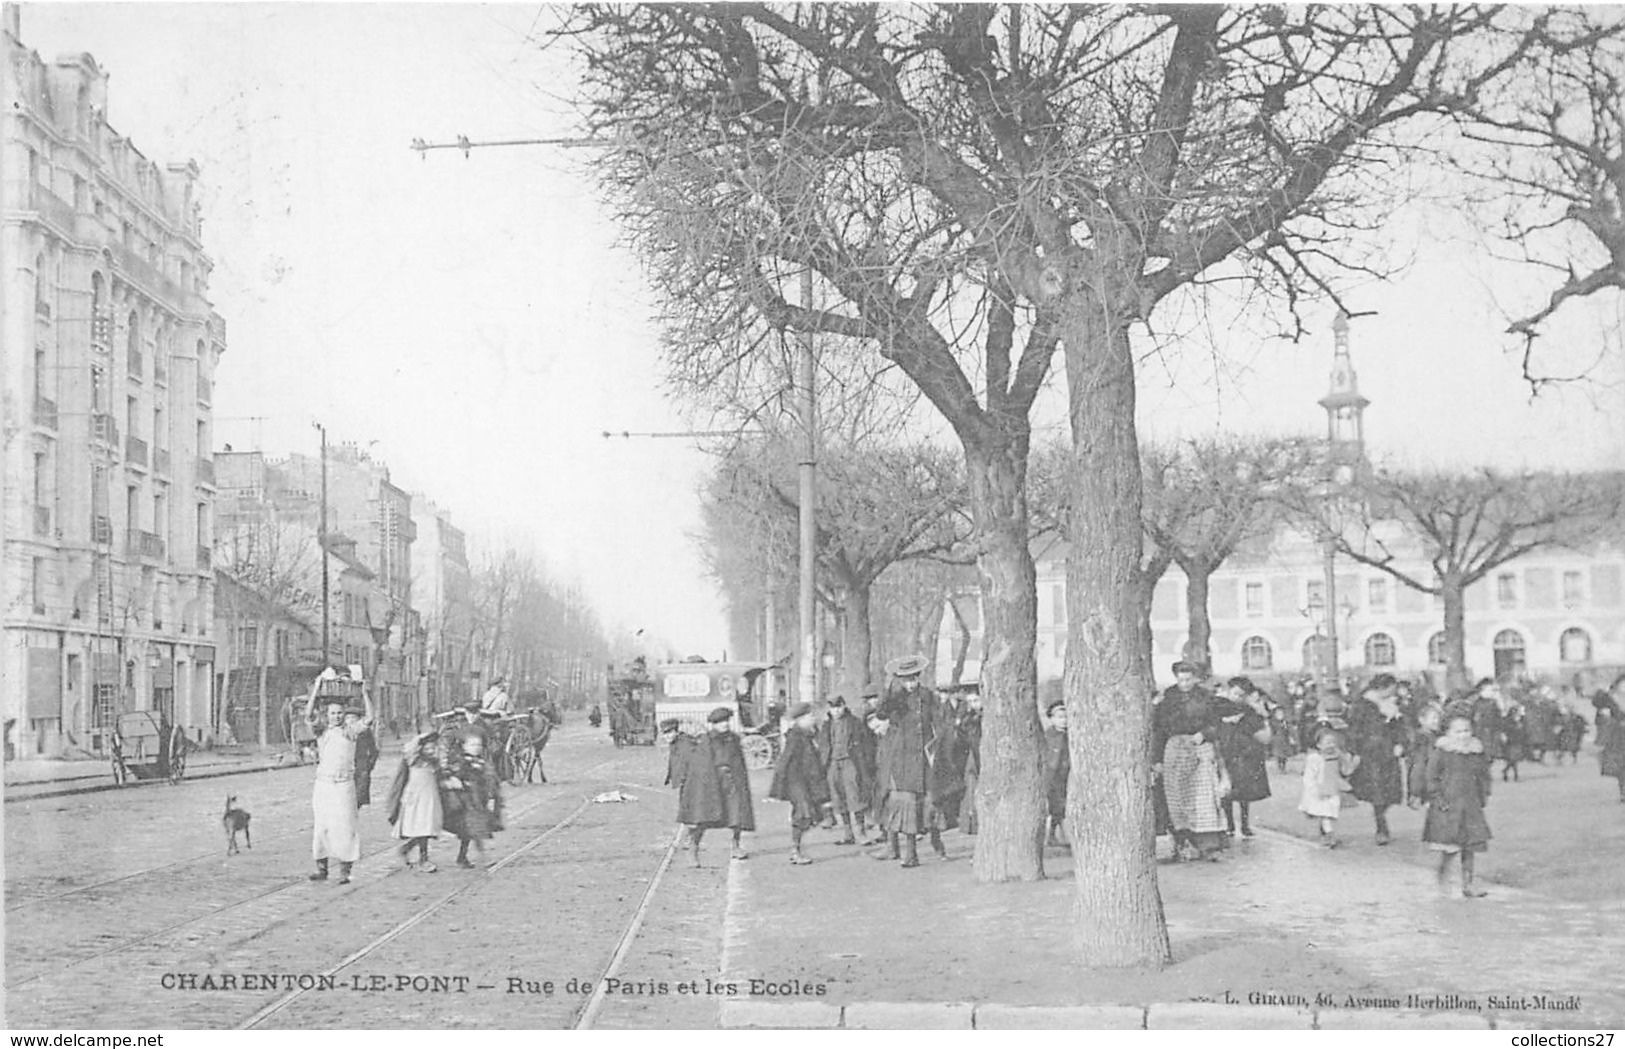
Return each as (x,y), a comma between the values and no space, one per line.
(1376,1020)
(1210,1016)
(214,772)
(755,1014)
(1060,1018)
(909,1016)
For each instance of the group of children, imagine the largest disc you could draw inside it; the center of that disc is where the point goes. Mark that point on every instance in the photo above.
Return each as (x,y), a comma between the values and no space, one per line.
(444,784)
(1455,783)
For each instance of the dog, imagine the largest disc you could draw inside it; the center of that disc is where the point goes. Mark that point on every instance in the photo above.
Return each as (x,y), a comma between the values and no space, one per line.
(236,819)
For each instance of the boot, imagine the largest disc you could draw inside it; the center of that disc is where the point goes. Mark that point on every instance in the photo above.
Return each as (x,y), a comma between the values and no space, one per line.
(1246,821)
(1442,875)
(694,836)
(344,873)
(1468,886)
(911,854)
(890,853)
(847,839)
(462,855)
(937,846)
(1383,837)
(321,870)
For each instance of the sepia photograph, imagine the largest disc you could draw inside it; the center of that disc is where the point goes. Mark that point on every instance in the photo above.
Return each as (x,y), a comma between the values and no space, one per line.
(831,516)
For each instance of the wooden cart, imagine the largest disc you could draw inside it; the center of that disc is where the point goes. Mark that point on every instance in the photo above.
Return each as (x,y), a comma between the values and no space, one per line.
(145,747)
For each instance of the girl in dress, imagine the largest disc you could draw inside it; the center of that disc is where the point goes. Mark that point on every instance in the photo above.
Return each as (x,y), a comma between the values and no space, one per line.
(414,805)
(1326,770)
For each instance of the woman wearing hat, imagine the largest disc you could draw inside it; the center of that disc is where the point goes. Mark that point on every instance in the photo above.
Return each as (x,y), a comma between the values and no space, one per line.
(715,788)
(920,794)
(1185,733)
(336,834)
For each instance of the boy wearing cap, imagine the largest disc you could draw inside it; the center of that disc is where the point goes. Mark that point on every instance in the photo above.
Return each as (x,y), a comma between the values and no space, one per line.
(715,787)
(798,778)
(1057,767)
(337,828)
(848,744)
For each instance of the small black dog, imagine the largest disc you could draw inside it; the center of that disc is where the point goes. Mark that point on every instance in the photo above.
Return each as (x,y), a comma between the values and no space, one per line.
(236,819)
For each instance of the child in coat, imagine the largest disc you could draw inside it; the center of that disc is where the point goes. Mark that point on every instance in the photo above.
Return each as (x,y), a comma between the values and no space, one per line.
(1326,770)
(799,778)
(1458,789)
(474,809)
(414,800)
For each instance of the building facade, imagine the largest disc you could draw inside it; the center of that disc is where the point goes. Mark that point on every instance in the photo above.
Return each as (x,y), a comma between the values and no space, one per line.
(442,591)
(109,347)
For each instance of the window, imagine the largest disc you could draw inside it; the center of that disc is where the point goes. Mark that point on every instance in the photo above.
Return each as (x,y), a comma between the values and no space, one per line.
(1317,652)
(1376,595)
(1509,653)
(1506,590)
(36,585)
(1436,650)
(1057,604)
(1256,654)
(1315,593)
(1574,646)
(248,639)
(1379,651)
(1573,589)
(1255,600)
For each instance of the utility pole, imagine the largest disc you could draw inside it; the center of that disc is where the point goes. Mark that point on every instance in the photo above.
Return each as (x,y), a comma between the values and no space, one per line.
(321,541)
(807,683)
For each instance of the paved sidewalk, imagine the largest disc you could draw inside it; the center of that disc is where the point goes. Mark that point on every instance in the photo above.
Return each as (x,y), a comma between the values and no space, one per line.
(67,771)
(1280,933)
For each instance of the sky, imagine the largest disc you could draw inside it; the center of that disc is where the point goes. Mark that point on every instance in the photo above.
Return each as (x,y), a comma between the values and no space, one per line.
(477,324)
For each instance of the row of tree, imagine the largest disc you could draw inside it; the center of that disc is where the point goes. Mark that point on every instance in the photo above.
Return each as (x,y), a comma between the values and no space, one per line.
(975,189)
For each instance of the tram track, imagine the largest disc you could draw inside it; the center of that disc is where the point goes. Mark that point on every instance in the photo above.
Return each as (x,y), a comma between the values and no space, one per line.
(252,907)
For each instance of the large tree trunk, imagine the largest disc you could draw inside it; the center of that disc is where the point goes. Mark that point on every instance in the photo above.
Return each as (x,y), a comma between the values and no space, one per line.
(1199,628)
(857,642)
(1010,803)
(1118,912)
(1455,635)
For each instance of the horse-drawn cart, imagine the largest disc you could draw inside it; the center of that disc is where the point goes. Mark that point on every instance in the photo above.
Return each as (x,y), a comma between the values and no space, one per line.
(147,747)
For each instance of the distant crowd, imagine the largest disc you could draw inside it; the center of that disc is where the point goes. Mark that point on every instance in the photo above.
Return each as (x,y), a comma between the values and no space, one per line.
(904,765)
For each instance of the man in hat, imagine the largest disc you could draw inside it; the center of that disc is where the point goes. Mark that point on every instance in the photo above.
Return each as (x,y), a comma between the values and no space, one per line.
(715,787)
(1057,769)
(799,778)
(496,702)
(1377,735)
(336,834)
(847,743)
(1185,731)
(921,793)
(970,736)
(681,746)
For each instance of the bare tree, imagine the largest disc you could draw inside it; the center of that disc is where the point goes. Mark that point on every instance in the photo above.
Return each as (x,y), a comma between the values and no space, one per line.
(1439,533)
(1016,180)
(1556,168)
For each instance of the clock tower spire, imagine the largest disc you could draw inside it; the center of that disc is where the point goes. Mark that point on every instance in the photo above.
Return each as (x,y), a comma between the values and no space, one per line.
(1345,409)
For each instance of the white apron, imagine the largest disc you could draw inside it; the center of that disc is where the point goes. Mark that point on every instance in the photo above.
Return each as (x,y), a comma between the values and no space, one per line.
(337,832)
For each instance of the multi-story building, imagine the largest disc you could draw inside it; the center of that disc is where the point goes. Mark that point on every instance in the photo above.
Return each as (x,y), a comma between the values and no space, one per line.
(108,348)
(364,505)
(1283,606)
(442,591)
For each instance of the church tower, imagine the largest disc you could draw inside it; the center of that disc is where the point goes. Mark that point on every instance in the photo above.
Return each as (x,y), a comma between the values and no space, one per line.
(1345,410)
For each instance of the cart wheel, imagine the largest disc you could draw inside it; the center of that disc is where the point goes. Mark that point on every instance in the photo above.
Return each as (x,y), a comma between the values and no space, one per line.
(758,752)
(517,747)
(178,746)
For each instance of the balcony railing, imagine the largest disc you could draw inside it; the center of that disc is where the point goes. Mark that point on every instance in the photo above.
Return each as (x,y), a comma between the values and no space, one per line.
(135,450)
(101,331)
(144,544)
(205,472)
(48,206)
(141,271)
(205,557)
(42,520)
(103,428)
(160,461)
(45,412)
(101,529)
(205,390)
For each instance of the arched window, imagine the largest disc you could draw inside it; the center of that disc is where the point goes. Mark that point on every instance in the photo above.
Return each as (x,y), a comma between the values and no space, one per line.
(1379,651)
(1436,650)
(1317,652)
(1509,653)
(1574,646)
(1256,654)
